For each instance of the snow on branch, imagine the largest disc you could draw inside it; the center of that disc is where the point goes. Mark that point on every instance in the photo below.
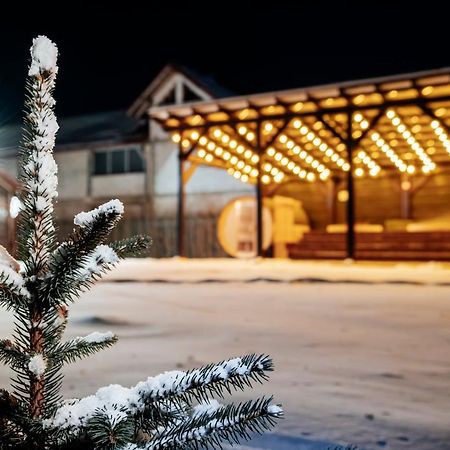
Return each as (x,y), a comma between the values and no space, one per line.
(95,338)
(214,425)
(197,383)
(102,257)
(85,219)
(44,54)
(37,365)
(12,281)
(80,347)
(38,168)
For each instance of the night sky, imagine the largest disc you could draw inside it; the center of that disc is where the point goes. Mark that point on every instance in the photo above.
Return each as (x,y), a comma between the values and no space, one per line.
(108,57)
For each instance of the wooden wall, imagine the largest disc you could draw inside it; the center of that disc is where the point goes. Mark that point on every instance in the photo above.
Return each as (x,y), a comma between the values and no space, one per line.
(376,199)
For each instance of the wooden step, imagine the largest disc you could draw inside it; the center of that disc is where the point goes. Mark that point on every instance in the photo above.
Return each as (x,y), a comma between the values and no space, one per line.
(385,245)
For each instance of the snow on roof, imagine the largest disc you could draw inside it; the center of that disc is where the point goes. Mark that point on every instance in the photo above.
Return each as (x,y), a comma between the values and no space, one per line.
(104,127)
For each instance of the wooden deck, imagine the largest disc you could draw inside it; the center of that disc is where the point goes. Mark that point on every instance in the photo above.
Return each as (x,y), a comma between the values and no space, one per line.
(381,246)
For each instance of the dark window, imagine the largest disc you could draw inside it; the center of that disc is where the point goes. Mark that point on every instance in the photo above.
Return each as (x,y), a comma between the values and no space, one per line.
(101,163)
(136,161)
(118,161)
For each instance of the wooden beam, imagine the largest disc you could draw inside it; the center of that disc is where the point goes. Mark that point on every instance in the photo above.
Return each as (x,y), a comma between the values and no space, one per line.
(181,203)
(290,115)
(259,196)
(429,112)
(350,189)
(330,128)
(375,120)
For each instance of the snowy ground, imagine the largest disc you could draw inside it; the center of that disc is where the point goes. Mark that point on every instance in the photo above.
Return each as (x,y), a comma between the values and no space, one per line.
(227,269)
(355,362)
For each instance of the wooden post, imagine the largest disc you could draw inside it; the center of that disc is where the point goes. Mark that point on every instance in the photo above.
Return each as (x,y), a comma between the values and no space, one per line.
(259,198)
(350,188)
(405,197)
(181,203)
(332,187)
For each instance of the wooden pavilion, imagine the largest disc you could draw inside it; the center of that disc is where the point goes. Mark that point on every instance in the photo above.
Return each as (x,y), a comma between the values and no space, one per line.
(388,136)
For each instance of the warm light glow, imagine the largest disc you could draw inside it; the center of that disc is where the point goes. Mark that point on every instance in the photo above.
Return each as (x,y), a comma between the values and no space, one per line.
(317,142)
(176,137)
(268,127)
(441,135)
(427,164)
(342,196)
(388,151)
(406,185)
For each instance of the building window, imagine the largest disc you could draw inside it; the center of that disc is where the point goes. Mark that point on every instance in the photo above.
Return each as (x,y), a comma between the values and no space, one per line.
(118,160)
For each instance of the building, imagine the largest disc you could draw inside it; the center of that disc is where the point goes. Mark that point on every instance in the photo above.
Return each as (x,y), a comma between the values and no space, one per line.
(368,159)
(122,154)
(367,164)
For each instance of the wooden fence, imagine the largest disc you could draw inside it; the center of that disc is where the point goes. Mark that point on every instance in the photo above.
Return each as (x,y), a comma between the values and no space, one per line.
(200,240)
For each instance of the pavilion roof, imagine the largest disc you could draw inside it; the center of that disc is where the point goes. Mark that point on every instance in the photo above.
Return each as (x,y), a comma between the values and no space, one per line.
(398,123)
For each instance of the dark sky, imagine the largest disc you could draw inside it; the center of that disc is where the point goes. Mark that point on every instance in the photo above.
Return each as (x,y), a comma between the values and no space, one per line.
(108,57)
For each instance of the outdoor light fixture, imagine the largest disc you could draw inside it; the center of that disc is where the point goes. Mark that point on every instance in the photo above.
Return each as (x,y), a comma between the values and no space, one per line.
(322,146)
(314,163)
(388,151)
(441,134)
(427,164)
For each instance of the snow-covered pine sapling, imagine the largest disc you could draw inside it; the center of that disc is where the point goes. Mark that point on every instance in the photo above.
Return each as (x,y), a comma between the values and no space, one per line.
(175,410)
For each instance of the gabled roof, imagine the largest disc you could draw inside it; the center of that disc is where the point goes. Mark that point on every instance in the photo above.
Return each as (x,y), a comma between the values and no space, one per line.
(208,86)
(106,127)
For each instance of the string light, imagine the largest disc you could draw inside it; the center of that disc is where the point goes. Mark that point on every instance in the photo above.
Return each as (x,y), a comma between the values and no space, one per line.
(290,165)
(320,168)
(427,164)
(388,151)
(441,134)
(240,168)
(322,146)
(374,168)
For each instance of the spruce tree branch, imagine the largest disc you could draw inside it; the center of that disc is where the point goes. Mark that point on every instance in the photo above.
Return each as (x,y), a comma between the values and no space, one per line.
(9,299)
(231,423)
(133,246)
(212,380)
(70,351)
(11,355)
(70,256)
